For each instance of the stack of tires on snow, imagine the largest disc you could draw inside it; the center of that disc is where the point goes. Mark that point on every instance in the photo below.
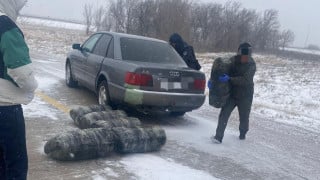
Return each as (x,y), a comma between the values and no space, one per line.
(103,131)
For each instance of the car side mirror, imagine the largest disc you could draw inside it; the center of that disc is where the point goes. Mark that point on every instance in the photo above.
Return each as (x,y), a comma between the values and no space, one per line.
(76,46)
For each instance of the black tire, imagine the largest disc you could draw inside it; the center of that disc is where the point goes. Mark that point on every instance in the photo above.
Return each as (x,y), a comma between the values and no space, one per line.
(70,82)
(103,94)
(177,113)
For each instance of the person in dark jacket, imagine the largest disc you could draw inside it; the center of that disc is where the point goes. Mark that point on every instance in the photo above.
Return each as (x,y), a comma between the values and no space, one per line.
(184,50)
(240,76)
(17,86)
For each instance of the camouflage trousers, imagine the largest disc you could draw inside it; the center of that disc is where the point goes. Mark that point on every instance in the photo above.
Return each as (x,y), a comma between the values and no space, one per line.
(244,108)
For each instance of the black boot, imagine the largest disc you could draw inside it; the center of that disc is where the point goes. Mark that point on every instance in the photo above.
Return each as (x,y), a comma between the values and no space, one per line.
(242,136)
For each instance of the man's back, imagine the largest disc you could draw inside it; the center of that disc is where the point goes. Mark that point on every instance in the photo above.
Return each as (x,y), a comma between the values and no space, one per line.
(185,51)
(190,58)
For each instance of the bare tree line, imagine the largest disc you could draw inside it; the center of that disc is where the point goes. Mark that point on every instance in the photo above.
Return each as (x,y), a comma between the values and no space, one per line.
(207,26)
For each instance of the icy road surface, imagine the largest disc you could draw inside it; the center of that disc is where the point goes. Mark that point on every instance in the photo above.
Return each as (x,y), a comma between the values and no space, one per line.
(276,147)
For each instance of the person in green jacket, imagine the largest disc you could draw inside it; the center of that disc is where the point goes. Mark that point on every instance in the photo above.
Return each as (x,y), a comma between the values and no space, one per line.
(243,68)
(17,86)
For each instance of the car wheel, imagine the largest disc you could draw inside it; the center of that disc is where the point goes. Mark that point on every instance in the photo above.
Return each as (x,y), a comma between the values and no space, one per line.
(177,113)
(69,79)
(103,94)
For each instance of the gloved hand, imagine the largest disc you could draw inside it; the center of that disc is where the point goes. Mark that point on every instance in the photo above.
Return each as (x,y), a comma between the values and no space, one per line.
(224,78)
(209,84)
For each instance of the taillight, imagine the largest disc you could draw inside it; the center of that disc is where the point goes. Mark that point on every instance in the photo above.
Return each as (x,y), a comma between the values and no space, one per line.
(138,79)
(199,84)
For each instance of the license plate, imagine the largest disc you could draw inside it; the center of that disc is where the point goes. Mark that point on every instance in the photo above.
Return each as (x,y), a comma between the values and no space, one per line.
(170,85)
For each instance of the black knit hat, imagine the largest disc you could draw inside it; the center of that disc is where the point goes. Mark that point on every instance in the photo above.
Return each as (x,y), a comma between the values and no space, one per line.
(175,38)
(245,48)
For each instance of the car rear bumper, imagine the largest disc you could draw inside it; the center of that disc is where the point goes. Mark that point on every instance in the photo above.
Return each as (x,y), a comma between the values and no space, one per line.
(164,100)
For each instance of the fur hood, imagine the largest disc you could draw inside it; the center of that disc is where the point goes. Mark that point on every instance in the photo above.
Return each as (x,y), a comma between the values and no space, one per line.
(11,8)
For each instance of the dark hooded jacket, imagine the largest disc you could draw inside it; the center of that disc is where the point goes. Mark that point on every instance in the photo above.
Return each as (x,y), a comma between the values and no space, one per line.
(242,78)
(185,51)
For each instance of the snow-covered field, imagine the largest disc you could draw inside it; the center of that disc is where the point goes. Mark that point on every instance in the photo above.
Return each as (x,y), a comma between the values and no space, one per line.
(286,91)
(51,23)
(307,51)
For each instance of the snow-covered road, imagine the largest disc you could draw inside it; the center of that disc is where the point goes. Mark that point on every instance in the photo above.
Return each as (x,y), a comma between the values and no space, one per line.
(276,147)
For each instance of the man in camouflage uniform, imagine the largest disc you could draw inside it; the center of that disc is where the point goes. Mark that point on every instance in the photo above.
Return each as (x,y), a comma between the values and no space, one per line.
(17,85)
(242,70)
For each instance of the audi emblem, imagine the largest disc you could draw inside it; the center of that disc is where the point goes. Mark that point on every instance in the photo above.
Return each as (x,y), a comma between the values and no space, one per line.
(174,74)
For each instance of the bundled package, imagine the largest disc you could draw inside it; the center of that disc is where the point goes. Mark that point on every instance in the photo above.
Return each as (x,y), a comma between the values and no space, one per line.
(81,144)
(219,91)
(78,112)
(139,140)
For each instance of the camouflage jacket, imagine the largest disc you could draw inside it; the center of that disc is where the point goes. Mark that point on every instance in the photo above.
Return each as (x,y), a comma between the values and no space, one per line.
(241,78)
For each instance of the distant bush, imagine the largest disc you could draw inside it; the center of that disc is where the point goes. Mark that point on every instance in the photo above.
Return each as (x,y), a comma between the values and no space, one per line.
(313,47)
(207,26)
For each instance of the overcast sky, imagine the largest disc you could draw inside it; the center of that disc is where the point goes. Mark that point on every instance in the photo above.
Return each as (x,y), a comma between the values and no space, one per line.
(300,16)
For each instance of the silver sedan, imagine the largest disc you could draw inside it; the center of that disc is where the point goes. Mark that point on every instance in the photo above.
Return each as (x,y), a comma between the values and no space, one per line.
(142,72)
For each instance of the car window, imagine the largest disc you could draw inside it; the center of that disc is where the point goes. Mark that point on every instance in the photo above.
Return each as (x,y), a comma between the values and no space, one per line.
(89,44)
(102,45)
(148,51)
(111,50)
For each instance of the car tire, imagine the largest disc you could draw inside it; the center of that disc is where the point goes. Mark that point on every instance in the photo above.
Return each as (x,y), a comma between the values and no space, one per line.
(70,82)
(103,94)
(177,113)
